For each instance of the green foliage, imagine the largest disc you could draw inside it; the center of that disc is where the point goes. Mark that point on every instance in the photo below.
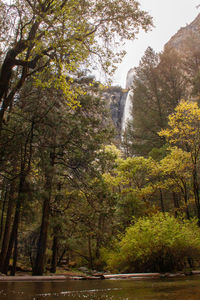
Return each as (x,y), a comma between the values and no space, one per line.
(157,243)
(128,205)
(159,153)
(63,37)
(64,158)
(54,140)
(158,85)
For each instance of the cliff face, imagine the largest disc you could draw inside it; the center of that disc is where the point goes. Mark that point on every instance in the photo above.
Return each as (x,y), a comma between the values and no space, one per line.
(116,98)
(183,40)
(129,78)
(186,42)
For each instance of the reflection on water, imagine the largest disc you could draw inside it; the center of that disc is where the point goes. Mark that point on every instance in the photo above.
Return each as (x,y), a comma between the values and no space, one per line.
(187,288)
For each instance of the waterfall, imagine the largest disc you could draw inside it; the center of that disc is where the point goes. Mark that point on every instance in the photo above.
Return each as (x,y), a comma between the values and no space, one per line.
(127,110)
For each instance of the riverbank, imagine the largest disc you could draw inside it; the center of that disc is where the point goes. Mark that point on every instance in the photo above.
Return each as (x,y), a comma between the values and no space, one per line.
(133,276)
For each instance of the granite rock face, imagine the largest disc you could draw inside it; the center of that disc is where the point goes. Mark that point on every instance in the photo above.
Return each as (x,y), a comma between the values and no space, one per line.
(129,78)
(183,40)
(186,42)
(116,97)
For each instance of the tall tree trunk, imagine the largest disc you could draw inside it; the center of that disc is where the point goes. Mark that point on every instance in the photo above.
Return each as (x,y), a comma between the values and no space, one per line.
(7,228)
(54,254)
(13,238)
(41,248)
(4,200)
(90,252)
(98,237)
(98,244)
(9,63)
(14,233)
(61,257)
(196,193)
(42,243)
(186,202)
(15,255)
(176,203)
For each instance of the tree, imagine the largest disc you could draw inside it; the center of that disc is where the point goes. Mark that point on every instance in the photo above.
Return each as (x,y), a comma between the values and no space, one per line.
(17,152)
(157,243)
(60,35)
(184,131)
(147,111)
(158,85)
(133,181)
(68,141)
(176,170)
(47,144)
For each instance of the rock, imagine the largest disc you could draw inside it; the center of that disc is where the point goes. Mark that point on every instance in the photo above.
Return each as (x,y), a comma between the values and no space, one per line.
(129,78)
(115,98)
(84,269)
(183,40)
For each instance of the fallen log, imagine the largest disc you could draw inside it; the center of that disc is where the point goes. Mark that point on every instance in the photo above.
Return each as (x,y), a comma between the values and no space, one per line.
(133,275)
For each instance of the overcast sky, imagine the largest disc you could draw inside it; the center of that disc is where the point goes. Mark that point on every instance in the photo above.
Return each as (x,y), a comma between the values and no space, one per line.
(168,17)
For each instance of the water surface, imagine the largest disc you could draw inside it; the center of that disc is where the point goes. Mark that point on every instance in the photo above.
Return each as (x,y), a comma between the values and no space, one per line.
(187,288)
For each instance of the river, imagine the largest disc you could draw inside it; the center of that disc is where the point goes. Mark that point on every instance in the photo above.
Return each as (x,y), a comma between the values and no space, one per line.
(187,288)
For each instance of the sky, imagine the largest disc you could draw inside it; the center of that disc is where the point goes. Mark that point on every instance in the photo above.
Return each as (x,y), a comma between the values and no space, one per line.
(168,17)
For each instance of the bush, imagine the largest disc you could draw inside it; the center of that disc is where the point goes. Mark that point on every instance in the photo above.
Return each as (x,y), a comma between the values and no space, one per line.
(160,243)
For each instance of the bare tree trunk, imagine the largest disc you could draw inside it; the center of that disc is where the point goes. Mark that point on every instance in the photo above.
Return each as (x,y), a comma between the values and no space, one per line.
(14,233)
(42,243)
(196,193)
(54,254)
(99,237)
(41,249)
(186,202)
(61,257)
(8,224)
(9,63)
(4,200)
(13,237)
(176,203)
(15,255)
(90,252)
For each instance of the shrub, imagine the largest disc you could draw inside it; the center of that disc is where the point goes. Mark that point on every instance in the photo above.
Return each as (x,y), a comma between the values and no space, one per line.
(160,243)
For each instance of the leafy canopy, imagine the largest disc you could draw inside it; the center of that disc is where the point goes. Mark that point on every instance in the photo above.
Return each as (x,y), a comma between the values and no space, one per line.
(62,36)
(184,127)
(156,243)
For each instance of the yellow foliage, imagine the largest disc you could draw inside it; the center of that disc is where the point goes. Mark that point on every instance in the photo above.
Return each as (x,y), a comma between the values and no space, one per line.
(184,126)
(112,149)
